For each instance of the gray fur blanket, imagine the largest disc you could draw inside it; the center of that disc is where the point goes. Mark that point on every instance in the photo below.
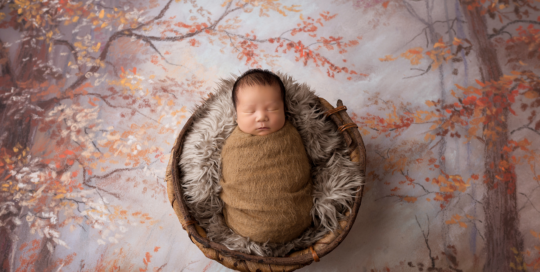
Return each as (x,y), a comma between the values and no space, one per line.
(335,178)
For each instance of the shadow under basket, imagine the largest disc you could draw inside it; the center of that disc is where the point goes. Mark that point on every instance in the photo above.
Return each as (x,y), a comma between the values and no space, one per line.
(296,260)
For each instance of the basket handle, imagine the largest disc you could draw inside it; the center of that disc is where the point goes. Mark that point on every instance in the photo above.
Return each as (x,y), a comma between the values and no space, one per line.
(334,110)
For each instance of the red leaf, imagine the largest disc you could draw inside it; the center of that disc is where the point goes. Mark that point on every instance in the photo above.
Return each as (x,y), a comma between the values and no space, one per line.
(482,101)
(469,100)
(385,4)
(91,103)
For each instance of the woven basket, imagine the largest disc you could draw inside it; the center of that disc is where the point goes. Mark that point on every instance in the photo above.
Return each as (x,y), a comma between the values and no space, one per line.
(244,262)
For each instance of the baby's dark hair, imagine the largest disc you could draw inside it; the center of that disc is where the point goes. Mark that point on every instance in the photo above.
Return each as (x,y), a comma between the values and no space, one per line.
(257,76)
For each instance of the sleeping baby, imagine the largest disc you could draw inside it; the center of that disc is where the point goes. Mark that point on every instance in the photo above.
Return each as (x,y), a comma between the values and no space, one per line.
(266,180)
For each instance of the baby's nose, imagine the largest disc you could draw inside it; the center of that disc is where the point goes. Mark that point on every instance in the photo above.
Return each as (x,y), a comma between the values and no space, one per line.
(261,117)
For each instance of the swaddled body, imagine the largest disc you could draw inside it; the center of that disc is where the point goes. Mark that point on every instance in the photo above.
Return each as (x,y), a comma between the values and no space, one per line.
(266,182)
(266,185)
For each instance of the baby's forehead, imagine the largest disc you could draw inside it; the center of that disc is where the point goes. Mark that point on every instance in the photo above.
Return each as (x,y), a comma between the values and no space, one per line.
(245,89)
(274,86)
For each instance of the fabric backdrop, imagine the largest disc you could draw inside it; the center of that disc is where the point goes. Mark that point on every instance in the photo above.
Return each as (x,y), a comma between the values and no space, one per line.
(445,93)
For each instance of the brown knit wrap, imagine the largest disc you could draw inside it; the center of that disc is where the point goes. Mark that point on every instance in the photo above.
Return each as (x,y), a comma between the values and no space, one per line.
(266,185)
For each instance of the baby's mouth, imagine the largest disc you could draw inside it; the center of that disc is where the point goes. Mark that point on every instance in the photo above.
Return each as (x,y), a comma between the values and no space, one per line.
(263,128)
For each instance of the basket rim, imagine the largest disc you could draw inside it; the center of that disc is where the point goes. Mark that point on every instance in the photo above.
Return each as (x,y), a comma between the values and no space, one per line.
(354,141)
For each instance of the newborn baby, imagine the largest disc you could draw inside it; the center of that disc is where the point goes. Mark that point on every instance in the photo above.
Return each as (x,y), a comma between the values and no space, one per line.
(266,181)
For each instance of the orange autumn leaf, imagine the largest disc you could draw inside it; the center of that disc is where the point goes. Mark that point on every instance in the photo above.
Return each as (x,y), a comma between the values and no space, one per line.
(410,199)
(414,55)
(429,137)
(148,256)
(531,94)
(388,58)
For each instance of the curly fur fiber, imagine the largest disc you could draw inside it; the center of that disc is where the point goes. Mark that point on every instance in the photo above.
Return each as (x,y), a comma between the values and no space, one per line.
(335,178)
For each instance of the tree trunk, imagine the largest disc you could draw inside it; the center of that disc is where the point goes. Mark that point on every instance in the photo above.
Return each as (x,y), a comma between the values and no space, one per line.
(5,249)
(16,132)
(504,241)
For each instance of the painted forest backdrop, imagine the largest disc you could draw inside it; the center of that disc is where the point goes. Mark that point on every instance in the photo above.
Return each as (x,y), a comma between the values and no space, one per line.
(446,94)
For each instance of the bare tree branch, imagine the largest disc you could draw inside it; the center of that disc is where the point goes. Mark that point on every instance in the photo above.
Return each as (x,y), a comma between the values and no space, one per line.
(501,30)
(474,199)
(159,16)
(426,240)
(114,106)
(528,201)
(95,187)
(232,43)
(113,172)
(527,126)
(425,72)
(411,11)
(105,7)
(149,42)
(474,223)
(130,33)
(244,37)
(52,101)
(402,196)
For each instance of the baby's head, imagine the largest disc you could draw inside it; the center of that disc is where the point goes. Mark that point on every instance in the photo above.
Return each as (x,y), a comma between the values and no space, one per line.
(259,99)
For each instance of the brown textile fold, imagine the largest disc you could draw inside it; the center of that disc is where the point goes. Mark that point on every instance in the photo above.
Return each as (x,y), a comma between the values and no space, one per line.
(266,185)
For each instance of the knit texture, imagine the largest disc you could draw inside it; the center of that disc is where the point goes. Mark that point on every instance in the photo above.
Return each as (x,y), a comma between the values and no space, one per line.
(266,185)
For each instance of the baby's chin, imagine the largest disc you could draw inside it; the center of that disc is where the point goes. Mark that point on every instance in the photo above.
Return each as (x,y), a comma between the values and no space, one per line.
(262,133)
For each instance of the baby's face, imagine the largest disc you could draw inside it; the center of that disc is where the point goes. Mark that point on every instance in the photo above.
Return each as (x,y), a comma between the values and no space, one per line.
(260,109)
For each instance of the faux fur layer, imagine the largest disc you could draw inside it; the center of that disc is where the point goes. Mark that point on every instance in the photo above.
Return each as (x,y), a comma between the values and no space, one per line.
(335,178)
